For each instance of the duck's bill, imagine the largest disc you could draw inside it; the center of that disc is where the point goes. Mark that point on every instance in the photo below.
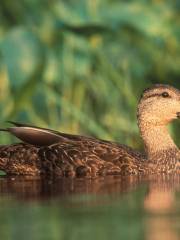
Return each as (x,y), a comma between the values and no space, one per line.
(178,115)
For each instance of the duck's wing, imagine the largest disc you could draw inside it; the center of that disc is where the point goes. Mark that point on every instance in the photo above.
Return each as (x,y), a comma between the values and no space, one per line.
(22,125)
(63,136)
(45,137)
(41,136)
(34,135)
(91,158)
(70,155)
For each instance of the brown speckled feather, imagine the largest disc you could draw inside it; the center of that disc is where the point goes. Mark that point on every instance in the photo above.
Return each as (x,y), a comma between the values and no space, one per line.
(84,158)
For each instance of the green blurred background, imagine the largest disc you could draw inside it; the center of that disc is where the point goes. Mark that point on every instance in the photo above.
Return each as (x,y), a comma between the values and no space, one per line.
(80,66)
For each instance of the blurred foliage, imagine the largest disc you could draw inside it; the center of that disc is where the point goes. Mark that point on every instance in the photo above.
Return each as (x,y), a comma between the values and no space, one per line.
(80,66)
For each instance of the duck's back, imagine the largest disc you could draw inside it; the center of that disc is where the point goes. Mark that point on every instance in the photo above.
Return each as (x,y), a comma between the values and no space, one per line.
(73,156)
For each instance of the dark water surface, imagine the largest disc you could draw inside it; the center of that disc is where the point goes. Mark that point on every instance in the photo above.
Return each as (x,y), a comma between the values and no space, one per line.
(103,208)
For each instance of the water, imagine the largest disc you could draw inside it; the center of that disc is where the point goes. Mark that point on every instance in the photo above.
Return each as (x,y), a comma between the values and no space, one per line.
(104,208)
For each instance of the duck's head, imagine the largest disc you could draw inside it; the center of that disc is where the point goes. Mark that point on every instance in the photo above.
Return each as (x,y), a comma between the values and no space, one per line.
(159,105)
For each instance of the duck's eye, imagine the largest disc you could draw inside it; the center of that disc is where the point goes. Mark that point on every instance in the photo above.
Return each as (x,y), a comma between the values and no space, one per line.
(165,94)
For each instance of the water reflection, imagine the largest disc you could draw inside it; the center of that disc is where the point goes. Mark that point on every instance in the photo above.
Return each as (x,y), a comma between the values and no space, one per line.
(125,208)
(41,189)
(161,197)
(163,204)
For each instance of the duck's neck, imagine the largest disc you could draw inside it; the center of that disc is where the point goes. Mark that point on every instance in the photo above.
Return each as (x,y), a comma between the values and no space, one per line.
(157,141)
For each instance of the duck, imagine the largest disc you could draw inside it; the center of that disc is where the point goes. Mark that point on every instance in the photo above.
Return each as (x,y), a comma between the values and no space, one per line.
(46,152)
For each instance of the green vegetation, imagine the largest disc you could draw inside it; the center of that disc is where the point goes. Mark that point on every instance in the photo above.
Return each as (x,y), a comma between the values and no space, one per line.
(80,66)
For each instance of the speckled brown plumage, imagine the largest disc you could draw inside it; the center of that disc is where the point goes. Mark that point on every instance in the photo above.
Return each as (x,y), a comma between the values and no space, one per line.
(80,156)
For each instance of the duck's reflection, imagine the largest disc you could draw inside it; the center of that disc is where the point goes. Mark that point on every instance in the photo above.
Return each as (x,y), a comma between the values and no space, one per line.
(30,189)
(161,228)
(160,201)
(160,190)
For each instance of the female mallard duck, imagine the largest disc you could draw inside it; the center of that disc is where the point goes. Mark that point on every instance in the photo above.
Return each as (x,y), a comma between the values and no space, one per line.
(48,152)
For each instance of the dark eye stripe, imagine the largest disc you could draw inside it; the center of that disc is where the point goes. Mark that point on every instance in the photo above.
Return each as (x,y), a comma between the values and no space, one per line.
(155,95)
